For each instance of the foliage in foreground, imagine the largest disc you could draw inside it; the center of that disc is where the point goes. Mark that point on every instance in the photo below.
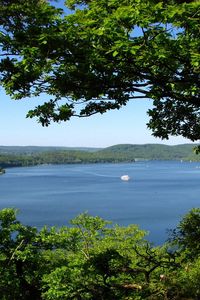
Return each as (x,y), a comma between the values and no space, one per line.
(102,55)
(93,260)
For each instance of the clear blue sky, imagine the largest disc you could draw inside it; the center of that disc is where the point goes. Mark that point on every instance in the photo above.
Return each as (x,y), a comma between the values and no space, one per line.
(127,125)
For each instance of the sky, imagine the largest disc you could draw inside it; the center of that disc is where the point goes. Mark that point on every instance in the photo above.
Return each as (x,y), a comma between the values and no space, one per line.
(124,126)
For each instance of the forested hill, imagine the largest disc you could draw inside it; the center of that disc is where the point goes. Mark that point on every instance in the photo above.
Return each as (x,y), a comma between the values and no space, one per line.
(27,156)
(155,151)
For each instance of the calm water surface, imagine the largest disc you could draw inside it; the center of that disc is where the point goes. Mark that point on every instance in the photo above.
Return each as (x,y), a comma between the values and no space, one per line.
(156,197)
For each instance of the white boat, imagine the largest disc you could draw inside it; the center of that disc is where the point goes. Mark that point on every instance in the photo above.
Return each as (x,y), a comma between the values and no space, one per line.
(125,178)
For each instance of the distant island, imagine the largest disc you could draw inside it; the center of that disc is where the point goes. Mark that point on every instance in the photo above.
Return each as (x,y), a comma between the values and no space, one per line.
(14,156)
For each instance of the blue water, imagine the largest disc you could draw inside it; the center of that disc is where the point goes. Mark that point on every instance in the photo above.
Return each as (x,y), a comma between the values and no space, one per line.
(156,197)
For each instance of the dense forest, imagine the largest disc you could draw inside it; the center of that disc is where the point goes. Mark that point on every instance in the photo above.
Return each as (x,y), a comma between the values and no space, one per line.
(30,156)
(94,260)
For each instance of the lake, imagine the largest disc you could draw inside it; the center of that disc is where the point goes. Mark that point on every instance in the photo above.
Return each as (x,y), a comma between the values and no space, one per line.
(158,194)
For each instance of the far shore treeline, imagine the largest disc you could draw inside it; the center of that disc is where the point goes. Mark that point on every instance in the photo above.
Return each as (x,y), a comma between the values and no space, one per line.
(15,156)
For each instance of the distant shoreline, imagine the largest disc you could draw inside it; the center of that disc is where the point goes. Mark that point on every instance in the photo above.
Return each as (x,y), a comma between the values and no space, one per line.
(17,156)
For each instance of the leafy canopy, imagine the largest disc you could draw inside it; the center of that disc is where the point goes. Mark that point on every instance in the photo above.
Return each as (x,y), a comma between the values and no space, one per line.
(102,55)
